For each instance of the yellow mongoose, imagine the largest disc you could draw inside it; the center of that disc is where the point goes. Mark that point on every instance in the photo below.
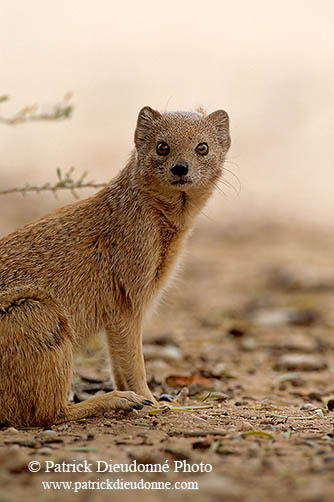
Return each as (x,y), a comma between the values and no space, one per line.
(96,266)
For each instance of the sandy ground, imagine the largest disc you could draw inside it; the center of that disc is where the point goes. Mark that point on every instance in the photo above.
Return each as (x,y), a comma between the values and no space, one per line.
(249,328)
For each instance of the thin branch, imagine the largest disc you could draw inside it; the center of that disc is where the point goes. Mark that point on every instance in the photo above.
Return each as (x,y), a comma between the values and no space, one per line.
(62,110)
(65,182)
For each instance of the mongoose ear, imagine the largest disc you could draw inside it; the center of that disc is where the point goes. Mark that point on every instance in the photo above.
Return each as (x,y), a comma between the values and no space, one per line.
(146,117)
(220,120)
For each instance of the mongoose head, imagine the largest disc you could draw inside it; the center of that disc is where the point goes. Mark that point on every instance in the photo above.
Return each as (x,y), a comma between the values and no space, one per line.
(181,150)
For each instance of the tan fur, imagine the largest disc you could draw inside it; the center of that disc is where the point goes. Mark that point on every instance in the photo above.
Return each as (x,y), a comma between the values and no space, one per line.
(97,265)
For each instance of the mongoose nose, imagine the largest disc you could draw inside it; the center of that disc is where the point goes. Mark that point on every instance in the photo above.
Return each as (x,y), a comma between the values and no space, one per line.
(179,169)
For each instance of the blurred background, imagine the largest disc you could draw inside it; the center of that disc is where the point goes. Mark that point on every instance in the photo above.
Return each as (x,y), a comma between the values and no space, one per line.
(269,64)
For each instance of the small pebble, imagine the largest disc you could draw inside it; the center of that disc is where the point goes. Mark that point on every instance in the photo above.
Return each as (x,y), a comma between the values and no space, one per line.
(282,316)
(169,353)
(63,427)
(246,426)
(45,451)
(11,430)
(248,343)
(219,370)
(269,427)
(307,406)
(300,362)
(48,434)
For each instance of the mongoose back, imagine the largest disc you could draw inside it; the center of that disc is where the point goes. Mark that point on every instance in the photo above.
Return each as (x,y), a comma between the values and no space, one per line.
(97,265)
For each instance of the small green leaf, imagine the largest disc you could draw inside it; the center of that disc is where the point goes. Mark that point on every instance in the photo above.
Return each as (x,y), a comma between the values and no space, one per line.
(263,434)
(142,424)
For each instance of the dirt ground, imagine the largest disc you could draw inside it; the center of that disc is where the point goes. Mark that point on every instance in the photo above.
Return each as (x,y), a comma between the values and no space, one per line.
(242,348)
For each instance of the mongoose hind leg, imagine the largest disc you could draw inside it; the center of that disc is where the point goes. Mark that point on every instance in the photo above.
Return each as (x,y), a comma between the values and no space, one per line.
(36,343)
(35,357)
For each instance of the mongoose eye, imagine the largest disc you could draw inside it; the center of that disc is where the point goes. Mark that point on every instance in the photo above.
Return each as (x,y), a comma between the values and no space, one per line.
(162,148)
(202,148)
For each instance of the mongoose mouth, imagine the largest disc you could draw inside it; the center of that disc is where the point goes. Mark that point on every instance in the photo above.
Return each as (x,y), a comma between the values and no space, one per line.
(181,182)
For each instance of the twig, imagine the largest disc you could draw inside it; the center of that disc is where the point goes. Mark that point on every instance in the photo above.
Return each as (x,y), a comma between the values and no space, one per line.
(65,182)
(50,188)
(318,413)
(60,111)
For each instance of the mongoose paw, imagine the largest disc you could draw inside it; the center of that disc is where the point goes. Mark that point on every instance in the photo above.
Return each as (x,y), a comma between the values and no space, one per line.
(128,401)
